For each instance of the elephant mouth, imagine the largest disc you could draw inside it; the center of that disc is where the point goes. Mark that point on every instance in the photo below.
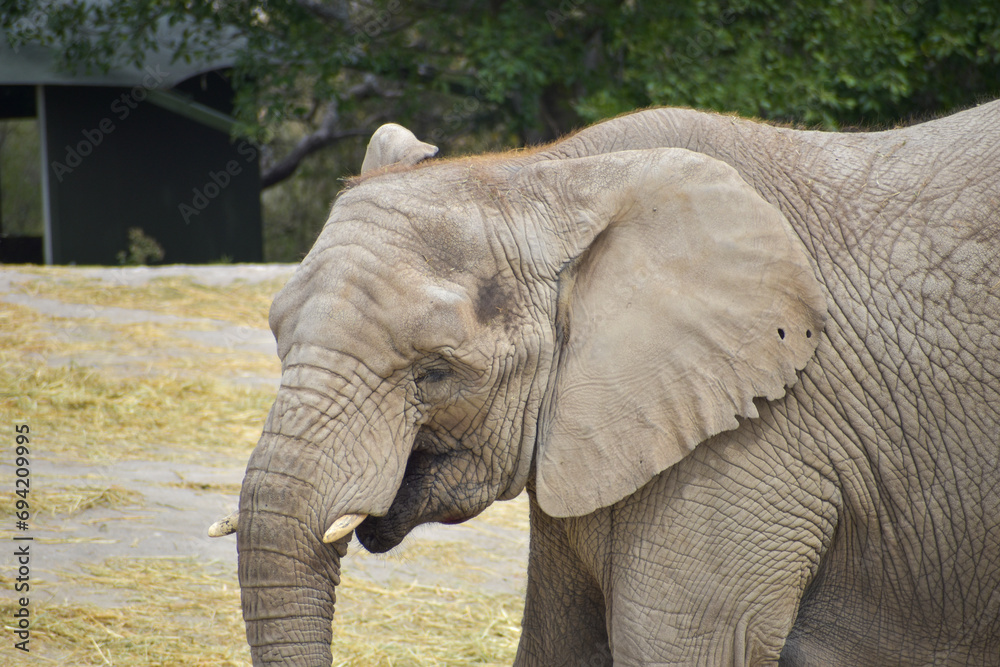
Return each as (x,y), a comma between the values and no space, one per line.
(454,522)
(422,497)
(378,536)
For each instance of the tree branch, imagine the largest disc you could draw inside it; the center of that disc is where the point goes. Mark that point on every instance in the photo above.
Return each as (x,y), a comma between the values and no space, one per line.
(307,145)
(333,12)
(327,133)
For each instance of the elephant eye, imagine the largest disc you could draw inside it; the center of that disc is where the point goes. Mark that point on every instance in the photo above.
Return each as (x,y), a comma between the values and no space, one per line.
(430,375)
(432,387)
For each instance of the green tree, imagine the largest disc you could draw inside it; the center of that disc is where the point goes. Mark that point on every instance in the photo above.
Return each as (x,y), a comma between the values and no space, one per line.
(523,71)
(316,74)
(20,178)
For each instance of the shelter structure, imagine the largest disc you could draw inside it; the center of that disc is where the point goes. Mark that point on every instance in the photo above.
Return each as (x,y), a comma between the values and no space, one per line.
(136,148)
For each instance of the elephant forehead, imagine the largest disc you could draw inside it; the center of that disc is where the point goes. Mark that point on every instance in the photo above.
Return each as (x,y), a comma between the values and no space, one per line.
(392,273)
(431,215)
(382,314)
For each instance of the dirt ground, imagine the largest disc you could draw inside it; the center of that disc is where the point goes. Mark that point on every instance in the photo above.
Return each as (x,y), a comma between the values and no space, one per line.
(174,502)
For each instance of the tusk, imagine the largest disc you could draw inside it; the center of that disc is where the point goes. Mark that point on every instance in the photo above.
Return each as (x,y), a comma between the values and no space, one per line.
(343,526)
(225,526)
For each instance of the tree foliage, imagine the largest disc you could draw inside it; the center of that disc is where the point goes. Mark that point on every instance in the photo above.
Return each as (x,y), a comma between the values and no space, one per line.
(531,69)
(468,75)
(20,179)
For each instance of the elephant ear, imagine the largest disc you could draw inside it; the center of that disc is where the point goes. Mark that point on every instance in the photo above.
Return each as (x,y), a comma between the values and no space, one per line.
(683,296)
(394,144)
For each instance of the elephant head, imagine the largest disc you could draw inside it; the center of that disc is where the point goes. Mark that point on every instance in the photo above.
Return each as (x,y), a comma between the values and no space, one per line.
(464,327)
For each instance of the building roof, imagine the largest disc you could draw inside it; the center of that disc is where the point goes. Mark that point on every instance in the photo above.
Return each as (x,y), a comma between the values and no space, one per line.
(33,64)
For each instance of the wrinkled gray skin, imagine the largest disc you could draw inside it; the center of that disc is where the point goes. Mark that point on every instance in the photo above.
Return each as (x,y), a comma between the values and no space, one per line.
(426,341)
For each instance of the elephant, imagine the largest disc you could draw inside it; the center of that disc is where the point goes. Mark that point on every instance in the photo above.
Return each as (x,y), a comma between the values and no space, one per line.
(748,376)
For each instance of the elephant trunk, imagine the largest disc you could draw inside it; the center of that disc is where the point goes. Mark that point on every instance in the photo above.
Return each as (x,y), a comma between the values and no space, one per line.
(321,466)
(287,573)
(299,506)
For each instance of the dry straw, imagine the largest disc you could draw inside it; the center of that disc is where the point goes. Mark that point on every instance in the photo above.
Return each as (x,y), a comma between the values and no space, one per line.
(179,612)
(66,501)
(171,612)
(88,416)
(240,303)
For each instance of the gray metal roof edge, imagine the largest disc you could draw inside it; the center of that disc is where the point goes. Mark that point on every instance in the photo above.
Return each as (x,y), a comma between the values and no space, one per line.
(35,64)
(195,111)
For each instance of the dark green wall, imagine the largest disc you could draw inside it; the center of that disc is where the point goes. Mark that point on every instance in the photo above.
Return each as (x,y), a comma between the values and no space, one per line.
(184,184)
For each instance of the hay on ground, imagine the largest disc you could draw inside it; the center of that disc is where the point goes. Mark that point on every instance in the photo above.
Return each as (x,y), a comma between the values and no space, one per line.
(181,612)
(66,501)
(82,414)
(240,302)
